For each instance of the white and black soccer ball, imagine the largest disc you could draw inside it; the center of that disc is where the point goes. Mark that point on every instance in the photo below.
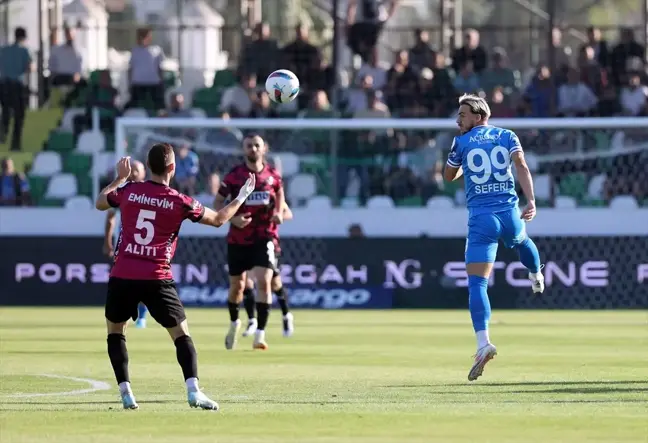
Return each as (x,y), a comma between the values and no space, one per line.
(282,86)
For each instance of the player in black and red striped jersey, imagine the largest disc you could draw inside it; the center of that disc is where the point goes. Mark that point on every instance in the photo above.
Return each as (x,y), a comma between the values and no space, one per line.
(253,238)
(152,214)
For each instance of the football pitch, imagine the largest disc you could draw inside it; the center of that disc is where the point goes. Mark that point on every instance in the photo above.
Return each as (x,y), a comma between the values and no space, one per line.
(384,376)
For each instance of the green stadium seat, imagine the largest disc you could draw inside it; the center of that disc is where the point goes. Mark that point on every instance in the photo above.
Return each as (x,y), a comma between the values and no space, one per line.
(77,164)
(224,79)
(573,185)
(60,141)
(414,201)
(51,203)
(84,184)
(170,79)
(593,202)
(208,100)
(38,186)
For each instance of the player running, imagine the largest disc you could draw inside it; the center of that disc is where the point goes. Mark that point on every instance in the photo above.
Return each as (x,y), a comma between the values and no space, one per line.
(277,289)
(138,174)
(151,215)
(252,241)
(483,154)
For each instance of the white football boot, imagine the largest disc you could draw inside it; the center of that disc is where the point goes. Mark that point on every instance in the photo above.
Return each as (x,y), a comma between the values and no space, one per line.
(230,338)
(483,356)
(537,281)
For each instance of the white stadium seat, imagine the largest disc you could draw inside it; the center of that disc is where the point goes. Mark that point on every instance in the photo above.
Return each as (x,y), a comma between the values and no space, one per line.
(596,185)
(197,113)
(79,203)
(67,124)
(287,163)
(565,202)
(542,186)
(62,186)
(624,202)
(46,164)
(350,203)
(440,202)
(319,202)
(301,188)
(91,142)
(380,202)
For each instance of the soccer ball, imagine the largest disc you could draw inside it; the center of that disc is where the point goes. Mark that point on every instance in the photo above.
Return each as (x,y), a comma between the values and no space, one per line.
(282,86)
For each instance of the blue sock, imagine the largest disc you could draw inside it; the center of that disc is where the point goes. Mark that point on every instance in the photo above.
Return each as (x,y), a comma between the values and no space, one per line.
(141,311)
(480,310)
(529,255)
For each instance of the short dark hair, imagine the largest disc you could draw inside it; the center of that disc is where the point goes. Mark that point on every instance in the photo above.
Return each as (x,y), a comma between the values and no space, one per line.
(158,157)
(20,33)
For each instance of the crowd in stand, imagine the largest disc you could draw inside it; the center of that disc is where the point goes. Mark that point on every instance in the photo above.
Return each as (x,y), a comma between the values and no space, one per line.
(601,79)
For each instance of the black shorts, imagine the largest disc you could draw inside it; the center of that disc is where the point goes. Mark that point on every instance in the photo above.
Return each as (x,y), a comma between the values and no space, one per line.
(160,297)
(242,258)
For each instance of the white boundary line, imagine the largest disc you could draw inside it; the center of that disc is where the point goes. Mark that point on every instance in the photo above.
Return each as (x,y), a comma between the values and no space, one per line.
(95,385)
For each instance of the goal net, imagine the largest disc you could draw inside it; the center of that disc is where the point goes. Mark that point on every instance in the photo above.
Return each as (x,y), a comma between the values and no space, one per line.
(383,177)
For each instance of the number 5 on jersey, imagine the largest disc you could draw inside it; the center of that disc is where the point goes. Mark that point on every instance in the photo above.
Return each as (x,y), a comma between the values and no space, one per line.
(145,226)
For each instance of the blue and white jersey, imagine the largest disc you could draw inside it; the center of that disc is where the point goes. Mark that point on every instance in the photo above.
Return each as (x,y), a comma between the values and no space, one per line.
(484,153)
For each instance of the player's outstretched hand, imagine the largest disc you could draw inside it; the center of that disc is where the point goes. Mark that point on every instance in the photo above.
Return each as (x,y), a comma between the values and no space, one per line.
(124,168)
(241,221)
(529,212)
(247,188)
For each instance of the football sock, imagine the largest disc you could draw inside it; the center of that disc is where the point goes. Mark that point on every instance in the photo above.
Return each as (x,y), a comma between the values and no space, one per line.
(187,357)
(248,302)
(480,310)
(529,255)
(118,355)
(263,312)
(192,384)
(233,311)
(282,299)
(141,311)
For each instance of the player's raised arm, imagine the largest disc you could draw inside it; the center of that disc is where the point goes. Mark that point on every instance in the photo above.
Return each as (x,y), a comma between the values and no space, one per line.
(108,197)
(220,217)
(526,183)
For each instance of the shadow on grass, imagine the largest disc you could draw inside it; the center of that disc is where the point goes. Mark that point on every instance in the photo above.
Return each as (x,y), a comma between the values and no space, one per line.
(526,383)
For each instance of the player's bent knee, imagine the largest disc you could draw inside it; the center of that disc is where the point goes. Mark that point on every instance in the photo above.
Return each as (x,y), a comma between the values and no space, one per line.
(116,328)
(276,284)
(179,330)
(249,284)
(236,288)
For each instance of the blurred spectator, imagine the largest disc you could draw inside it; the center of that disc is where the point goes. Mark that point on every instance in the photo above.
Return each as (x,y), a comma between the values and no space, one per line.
(355,231)
(365,20)
(14,188)
(15,65)
(375,108)
(608,105)
(499,106)
(262,107)
(563,56)
(633,96)
(187,168)
(372,68)
(209,195)
(575,98)
(176,109)
(145,73)
(470,51)
(302,58)
(592,74)
(432,96)
(320,106)
(260,55)
(628,48)
(237,99)
(540,94)
(357,96)
(322,76)
(600,46)
(66,68)
(421,55)
(432,183)
(467,82)
(499,74)
(401,71)
(102,96)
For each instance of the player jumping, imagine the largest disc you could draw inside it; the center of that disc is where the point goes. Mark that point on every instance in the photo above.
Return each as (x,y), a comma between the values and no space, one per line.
(252,241)
(138,174)
(483,154)
(278,290)
(151,215)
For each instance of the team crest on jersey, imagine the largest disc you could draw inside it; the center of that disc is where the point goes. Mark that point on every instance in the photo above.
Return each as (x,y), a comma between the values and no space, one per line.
(270,180)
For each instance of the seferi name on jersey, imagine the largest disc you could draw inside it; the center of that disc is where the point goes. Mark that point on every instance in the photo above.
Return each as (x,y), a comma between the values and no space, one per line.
(492,187)
(151,201)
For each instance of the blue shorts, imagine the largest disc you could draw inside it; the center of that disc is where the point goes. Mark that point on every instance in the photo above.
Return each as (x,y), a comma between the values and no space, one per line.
(485,230)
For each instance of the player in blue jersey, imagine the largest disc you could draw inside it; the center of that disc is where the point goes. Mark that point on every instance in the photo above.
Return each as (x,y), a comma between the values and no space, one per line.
(138,174)
(484,154)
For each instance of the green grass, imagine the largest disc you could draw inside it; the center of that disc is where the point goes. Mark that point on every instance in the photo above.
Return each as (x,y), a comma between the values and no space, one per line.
(396,376)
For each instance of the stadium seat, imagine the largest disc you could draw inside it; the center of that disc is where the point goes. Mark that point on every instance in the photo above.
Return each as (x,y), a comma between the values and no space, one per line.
(103,163)
(46,164)
(380,202)
(301,188)
(61,187)
(136,113)
(532,161)
(319,202)
(67,124)
(288,163)
(565,202)
(440,202)
(349,203)
(198,113)
(596,186)
(224,79)
(79,203)
(60,141)
(624,202)
(574,185)
(543,187)
(91,142)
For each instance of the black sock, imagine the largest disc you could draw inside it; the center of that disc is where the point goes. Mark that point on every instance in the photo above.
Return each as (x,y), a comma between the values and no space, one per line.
(233,310)
(118,356)
(282,299)
(187,357)
(248,302)
(263,312)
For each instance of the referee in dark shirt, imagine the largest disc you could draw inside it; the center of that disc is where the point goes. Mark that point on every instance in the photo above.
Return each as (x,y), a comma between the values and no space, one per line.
(15,64)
